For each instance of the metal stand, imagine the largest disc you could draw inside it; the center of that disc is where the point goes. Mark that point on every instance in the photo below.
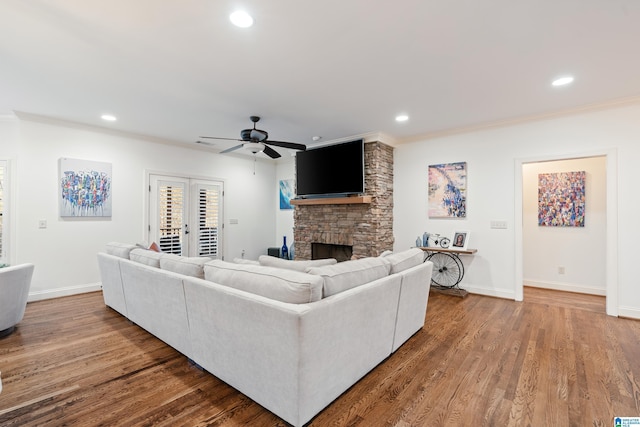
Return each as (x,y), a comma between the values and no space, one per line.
(448,269)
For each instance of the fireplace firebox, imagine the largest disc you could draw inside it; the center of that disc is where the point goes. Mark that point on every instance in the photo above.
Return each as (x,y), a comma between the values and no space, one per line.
(324,251)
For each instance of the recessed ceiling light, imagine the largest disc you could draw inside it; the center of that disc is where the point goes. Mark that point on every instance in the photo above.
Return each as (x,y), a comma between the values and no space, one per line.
(316,138)
(402,118)
(562,81)
(108,117)
(241,19)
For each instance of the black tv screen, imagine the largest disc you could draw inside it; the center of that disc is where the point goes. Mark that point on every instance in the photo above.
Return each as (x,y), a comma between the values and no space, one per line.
(333,170)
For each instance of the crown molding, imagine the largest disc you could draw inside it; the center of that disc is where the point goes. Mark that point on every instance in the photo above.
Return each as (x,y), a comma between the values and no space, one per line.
(22,115)
(385,138)
(586,108)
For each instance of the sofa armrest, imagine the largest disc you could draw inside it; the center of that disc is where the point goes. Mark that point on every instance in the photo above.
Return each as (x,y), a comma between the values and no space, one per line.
(412,305)
(112,291)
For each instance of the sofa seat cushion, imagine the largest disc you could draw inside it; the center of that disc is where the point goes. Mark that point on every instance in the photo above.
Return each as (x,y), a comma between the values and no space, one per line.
(349,274)
(189,266)
(121,250)
(302,266)
(275,283)
(404,260)
(147,257)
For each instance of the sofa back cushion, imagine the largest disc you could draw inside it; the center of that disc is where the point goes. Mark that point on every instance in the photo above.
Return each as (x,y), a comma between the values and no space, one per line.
(349,274)
(147,257)
(121,250)
(189,266)
(302,266)
(246,261)
(275,283)
(404,260)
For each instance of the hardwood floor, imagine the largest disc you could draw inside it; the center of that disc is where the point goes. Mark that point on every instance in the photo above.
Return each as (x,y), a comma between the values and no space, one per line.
(553,360)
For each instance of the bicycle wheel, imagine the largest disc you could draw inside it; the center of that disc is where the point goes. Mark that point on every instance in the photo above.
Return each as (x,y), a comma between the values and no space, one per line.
(446,270)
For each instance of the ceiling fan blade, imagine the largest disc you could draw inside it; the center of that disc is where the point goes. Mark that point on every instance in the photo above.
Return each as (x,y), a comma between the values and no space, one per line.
(292,145)
(232,149)
(226,139)
(271,152)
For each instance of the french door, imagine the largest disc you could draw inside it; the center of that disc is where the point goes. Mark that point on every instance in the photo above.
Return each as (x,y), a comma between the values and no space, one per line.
(185,215)
(3,211)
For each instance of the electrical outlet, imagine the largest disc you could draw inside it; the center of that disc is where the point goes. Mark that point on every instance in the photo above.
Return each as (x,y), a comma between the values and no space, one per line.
(560,270)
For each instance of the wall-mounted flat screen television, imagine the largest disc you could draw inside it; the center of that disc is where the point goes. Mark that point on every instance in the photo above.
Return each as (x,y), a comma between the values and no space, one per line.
(331,171)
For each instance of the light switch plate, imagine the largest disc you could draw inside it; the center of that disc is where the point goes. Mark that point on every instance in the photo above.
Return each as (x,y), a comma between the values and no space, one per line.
(498,224)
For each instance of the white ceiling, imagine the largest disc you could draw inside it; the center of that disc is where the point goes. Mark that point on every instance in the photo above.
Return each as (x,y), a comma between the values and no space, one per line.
(178,69)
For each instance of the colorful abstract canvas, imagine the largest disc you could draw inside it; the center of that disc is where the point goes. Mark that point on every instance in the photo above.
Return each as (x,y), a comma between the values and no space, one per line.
(85,188)
(448,190)
(286,194)
(561,199)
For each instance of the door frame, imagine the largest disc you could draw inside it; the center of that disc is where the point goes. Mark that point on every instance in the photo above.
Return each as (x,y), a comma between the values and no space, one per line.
(146,220)
(611,263)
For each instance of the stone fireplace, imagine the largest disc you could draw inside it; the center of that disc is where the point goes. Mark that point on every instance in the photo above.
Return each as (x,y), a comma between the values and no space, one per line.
(366,225)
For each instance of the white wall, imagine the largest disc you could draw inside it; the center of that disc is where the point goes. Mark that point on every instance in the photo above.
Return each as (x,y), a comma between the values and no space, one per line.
(491,156)
(579,250)
(65,252)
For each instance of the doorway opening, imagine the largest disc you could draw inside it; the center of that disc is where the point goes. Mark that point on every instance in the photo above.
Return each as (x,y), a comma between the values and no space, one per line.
(608,242)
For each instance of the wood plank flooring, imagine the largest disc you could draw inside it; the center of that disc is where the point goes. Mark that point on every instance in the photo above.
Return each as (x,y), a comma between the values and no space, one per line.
(553,360)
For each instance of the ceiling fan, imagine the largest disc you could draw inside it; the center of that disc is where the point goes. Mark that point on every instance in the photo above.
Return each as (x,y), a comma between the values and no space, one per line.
(257,140)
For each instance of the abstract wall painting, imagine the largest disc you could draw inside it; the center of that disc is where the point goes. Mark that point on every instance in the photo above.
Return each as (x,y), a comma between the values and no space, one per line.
(561,199)
(85,188)
(286,194)
(448,190)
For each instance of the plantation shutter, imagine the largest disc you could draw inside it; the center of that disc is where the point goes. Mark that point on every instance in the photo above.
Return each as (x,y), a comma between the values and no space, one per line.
(209,203)
(172,212)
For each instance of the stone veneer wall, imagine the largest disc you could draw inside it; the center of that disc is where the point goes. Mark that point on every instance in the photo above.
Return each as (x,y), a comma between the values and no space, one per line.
(366,227)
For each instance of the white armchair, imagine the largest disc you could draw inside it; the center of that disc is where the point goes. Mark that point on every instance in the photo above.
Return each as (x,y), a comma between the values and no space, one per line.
(14,291)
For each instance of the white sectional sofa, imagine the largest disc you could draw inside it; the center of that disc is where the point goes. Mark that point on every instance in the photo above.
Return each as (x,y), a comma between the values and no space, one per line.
(291,335)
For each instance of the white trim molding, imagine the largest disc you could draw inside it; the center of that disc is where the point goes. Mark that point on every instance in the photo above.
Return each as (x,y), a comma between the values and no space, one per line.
(64,291)
(567,287)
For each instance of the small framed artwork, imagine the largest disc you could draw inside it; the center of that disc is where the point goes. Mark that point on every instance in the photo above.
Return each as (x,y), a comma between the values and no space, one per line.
(460,240)
(286,194)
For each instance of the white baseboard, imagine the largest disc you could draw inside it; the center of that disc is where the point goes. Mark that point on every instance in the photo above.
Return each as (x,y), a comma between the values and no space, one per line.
(490,292)
(63,292)
(632,313)
(567,287)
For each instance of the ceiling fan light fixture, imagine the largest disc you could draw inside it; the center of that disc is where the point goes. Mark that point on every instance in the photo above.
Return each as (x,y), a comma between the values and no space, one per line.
(254,147)
(241,19)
